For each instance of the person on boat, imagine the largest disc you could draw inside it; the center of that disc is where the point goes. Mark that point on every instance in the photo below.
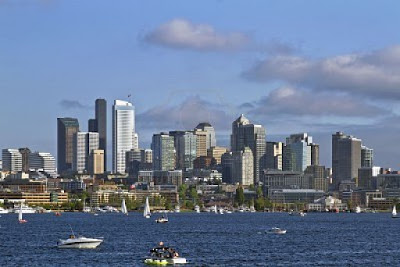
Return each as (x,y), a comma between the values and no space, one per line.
(71,237)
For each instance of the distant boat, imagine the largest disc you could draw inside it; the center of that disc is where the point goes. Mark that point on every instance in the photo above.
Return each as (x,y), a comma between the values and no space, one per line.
(58,213)
(20,215)
(358,209)
(215,209)
(277,231)
(221,211)
(123,207)
(162,219)
(177,209)
(394,213)
(146,211)
(197,209)
(3,211)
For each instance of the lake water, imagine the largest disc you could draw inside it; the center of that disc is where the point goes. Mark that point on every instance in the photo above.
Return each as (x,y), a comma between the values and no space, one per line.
(205,239)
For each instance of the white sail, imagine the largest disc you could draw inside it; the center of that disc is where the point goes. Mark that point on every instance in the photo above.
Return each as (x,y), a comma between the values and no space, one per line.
(146,211)
(216,209)
(123,207)
(394,212)
(20,213)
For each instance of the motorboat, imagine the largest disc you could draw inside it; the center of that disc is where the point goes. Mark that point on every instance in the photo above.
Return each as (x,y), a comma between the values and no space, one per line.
(394,213)
(252,209)
(3,211)
(25,209)
(197,209)
(79,242)
(297,213)
(277,231)
(162,219)
(358,209)
(162,255)
(146,211)
(177,209)
(221,211)
(20,219)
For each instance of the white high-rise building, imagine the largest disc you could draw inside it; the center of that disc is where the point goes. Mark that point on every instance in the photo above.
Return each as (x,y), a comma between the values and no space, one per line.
(43,161)
(83,145)
(123,135)
(12,160)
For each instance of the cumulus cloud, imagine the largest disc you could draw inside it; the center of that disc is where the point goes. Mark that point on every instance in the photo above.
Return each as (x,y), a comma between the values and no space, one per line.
(297,102)
(375,74)
(73,104)
(184,116)
(181,33)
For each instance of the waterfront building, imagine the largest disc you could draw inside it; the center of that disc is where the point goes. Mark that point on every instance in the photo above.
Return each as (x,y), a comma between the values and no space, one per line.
(216,152)
(66,128)
(43,161)
(163,148)
(295,195)
(97,162)
(273,155)
(245,134)
(25,152)
(275,179)
(346,158)
(84,143)
(123,133)
(316,176)
(367,157)
(99,125)
(211,141)
(12,160)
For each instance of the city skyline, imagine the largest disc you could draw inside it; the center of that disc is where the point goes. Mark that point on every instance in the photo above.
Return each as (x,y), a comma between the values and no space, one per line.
(228,69)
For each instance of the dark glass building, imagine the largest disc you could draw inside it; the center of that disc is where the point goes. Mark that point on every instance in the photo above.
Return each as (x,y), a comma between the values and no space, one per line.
(66,128)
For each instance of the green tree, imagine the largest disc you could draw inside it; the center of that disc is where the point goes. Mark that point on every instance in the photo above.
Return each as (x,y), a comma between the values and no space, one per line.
(182,192)
(168,204)
(239,196)
(193,195)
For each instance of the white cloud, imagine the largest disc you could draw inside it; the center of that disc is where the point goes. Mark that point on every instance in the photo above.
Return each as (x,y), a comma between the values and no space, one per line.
(181,33)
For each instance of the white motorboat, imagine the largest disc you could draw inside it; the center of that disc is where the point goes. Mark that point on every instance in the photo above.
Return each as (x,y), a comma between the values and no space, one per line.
(162,219)
(297,213)
(161,261)
(25,209)
(358,209)
(177,209)
(394,213)
(79,242)
(221,211)
(162,255)
(3,211)
(277,231)
(146,211)
(252,209)
(124,210)
(197,209)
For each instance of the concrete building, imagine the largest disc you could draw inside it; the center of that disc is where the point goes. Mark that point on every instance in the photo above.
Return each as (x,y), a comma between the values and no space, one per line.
(84,143)
(216,152)
(367,157)
(123,133)
(274,179)
(12,160)
(273,155)
(316,176)
(314,154)
(346,158)
(66,128)
(99,125)
(146,155)
(201,142)
(211,141)
(246,134)
(237,167)
(43,161)
(186,149)
(25,152)
(163,147)
(97,162)
(295,195)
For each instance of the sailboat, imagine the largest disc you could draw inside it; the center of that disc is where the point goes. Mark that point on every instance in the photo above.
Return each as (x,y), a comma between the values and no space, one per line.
(20,215)
(146,211)
(394,213)
(123,207)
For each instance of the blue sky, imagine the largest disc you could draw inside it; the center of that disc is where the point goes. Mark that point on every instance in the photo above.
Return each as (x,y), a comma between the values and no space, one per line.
(293,66)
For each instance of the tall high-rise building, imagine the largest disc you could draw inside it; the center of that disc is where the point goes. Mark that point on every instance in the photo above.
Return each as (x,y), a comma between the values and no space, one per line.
(216,152)
(314,154)
(163,152)
(43,161)
(237,167)
(186,148)
(25,152)
(201,140)
(12,160)
(96,162)
(211,141)
(66,128)
(84,145)
(297,154)
(99,125)
(367,157)
(346,157)
(123,133)
(246,134)
(146,155)
(273,155)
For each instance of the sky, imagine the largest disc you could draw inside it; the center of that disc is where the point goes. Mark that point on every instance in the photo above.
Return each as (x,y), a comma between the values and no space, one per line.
(292,66)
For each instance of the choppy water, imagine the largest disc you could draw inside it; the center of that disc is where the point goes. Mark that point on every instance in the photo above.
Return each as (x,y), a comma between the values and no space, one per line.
(205,239)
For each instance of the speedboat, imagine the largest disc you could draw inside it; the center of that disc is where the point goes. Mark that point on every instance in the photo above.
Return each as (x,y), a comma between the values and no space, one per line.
(162,219)
(162,255)
(79,242)
(172,261)
(277,231)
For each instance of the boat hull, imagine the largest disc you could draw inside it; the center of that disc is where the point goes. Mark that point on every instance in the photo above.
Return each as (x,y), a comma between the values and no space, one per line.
(165,261)
(86,244)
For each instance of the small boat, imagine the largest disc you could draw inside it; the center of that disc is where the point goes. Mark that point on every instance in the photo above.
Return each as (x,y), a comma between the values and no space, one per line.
(358,209)
(394,213)
(57,213)
(123,207)
(3,211)
(197,209)
(20,220)
(177,209)
(277,231)
(162,255)
(79,242)
(252,209)
(221,211)
(146,211)
(162,219)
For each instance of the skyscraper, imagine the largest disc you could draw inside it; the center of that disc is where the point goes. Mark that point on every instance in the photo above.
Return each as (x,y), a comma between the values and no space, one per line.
(96,162)
(84,145)
(367,157)
(123,133)
(245,134)
(201,146)
(66,128)
(346,157)
(186,148)
(298,151)
(43,161)
(211,141)
(273,155)
(12,160)
(216,152)
(314,154)
(99,125)
(25,152)
(163,152)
